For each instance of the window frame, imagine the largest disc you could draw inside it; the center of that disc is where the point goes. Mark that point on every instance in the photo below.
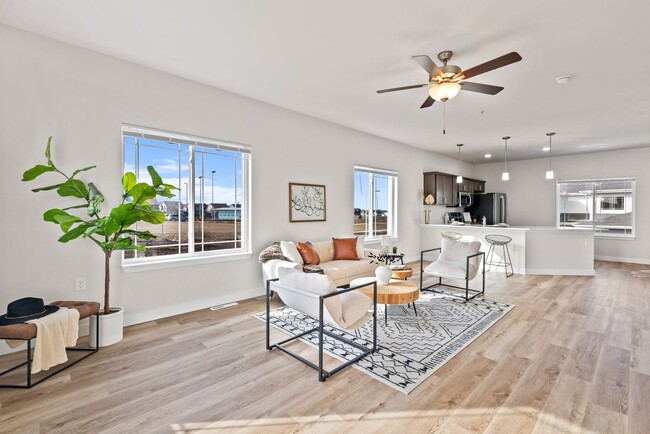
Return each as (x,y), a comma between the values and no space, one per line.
(393,182)
(596,208)
(196,257)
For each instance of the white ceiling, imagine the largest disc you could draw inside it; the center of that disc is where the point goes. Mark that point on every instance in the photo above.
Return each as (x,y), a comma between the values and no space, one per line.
(326,59)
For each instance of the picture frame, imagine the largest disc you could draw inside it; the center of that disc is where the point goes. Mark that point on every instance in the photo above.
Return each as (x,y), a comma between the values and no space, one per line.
(307,203)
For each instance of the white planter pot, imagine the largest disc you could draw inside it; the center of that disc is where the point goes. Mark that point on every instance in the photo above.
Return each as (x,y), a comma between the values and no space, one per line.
(383,274)
(111,328)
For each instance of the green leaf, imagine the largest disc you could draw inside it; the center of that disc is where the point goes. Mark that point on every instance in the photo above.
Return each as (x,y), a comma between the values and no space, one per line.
(145,235)
(149,214)
(47,151)
(141,193)
(125,243)
(66,220)
(124,216)
(93,191)
(78,171)
(76,232)
(106,226)
(94,207)
(49,187)
(155,178)
(50,215)
(74,188)
(128,181)
(36,171)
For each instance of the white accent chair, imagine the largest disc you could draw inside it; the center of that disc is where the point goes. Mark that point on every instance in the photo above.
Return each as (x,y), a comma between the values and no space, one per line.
(457,260)
(316,296)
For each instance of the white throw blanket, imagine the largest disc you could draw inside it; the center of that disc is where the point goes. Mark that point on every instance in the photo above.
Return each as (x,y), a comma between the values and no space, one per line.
(56,332)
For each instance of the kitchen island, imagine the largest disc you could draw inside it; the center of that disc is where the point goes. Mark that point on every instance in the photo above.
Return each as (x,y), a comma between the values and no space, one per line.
(543,250)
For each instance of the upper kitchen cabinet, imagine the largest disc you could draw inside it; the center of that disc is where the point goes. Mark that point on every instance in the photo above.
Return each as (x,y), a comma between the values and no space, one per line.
(442,186)
(444,189)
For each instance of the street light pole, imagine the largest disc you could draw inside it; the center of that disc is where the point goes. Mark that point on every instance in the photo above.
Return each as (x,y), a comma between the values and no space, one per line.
(212,196)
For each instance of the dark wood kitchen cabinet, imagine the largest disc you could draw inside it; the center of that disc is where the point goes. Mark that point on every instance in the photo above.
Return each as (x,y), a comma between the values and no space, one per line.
(445,190)
(442,186)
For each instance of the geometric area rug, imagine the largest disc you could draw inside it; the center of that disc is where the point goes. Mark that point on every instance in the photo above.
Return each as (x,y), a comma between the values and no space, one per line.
(410,348)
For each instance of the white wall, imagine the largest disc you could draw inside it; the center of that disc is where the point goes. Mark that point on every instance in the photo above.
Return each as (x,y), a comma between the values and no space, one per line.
(531,198)
(81,98)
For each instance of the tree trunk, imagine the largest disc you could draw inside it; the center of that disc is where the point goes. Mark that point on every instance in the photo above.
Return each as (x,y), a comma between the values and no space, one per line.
(107,281)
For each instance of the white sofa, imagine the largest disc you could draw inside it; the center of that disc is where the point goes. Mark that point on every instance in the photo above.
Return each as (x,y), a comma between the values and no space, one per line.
(342,272)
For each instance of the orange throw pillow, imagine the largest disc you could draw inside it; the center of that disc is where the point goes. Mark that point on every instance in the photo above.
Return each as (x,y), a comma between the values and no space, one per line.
(308,253)
(345,248)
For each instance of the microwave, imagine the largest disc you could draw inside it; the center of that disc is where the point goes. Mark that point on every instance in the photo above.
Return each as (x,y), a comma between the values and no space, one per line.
(464,199)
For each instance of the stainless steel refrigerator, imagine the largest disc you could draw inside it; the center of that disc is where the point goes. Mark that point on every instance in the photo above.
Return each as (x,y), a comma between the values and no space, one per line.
(491,205)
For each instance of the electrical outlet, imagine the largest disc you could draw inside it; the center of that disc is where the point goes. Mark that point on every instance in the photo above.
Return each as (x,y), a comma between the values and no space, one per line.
(80,284)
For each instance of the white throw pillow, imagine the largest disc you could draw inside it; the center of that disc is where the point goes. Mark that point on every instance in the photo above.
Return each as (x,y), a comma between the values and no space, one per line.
(453,250)
(319,284)
(290,250)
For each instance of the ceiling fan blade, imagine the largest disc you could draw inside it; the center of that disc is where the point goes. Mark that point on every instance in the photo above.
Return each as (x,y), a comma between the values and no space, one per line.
(504,60)
(428,65)
(395,89)
(480,88)
(427,102)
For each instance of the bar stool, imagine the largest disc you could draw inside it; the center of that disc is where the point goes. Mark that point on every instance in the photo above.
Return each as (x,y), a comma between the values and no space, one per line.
(450,235)
(503,241)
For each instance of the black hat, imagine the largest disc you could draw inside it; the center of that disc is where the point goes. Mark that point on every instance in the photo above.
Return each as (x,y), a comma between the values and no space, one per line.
(25,309)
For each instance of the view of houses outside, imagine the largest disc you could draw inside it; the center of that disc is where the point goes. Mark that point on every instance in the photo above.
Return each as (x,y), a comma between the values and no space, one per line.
(607,206)
(217,185)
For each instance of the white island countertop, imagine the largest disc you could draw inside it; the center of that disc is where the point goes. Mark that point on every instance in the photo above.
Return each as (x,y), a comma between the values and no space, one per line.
(534,249)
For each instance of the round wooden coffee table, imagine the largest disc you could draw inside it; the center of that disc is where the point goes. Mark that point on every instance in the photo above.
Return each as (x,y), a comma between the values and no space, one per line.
(402,273)
(396,292)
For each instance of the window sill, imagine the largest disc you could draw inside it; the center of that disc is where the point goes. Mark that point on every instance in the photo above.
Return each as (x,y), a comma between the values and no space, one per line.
(615,237)
(377,240)
(133,266)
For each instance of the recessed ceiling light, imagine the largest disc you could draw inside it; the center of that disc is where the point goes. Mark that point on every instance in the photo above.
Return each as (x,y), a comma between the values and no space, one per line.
(488,155)
(563,79)
(546,149)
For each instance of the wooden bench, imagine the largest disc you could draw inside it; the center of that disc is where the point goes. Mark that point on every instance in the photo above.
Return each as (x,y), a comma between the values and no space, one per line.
(27,331)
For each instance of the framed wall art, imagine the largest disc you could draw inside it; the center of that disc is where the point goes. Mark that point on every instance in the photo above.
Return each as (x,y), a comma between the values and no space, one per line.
(306,202)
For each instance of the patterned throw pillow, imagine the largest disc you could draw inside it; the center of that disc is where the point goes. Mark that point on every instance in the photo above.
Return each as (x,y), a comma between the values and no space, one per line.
(345,248)
(308,253)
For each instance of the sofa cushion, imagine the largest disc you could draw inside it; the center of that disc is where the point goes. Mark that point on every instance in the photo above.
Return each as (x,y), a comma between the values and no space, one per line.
(345,248)
(450,269)
(318,284)
(290,250)
(325,250)
(341,269)
(308,253)
(453,250)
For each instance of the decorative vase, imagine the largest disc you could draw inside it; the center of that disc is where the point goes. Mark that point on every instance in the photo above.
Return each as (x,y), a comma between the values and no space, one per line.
(427,214)
(111,328)
(383,274)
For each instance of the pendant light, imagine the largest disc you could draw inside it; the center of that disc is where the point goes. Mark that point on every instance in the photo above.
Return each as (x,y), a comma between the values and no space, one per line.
(459,178)
(549,172)
(505,176)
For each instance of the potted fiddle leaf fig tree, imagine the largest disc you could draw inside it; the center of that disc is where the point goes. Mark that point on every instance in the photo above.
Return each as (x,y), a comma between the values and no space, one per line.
(109,230)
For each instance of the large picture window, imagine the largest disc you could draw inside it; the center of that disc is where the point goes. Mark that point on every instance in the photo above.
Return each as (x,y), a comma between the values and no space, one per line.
(210,212)
(375,202)
(604,205)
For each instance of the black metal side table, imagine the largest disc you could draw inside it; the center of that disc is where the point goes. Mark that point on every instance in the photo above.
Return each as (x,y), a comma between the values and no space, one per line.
(391,258)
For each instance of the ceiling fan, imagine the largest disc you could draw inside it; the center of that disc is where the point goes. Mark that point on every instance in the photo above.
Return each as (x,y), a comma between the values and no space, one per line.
(446,81)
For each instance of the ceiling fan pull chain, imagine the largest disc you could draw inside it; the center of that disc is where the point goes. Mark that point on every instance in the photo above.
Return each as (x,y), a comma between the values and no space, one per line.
(444,117)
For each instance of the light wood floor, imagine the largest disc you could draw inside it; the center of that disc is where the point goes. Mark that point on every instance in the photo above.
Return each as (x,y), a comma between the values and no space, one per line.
(573,356)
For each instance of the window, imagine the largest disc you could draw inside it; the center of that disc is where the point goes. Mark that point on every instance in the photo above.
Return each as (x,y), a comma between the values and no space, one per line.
(604,205)
(209,214)
(375,202)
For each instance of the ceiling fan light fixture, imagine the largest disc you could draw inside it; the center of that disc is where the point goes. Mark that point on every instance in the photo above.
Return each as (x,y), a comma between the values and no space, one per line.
(444,91)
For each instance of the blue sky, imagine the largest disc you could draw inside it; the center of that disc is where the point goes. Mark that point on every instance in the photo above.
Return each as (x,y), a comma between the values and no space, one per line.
(164,157)
(362,190)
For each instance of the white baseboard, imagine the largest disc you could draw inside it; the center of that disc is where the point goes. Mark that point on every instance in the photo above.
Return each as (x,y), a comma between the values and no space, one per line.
(622,259)
(163,312)
(559,272)
(190,306)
